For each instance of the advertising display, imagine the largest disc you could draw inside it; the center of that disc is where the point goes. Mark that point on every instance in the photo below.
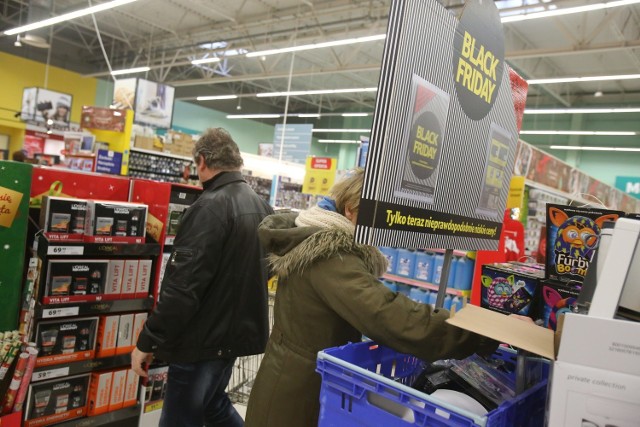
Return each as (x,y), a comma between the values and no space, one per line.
(319,176)
(41,105)
(445,131)
(292,143)
(124,93)
(154,104)
(103,118)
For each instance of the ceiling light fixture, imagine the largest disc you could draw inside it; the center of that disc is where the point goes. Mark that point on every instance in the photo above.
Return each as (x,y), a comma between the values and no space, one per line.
(254,116)
(342,130)
(575,132)
(317,45)
(571,147)
(316,92)
(315,116)
(581,110)
(67,17)
(205,60)
(130,71)
(215,97)
(339,141)
(567,11)
(583,79)
(355,114)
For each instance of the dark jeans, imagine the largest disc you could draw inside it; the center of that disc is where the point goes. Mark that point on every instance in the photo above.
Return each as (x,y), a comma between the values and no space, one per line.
(195,395)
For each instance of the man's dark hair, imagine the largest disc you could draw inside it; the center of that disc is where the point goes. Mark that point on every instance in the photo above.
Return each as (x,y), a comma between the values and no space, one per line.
(218,149)
(19,156)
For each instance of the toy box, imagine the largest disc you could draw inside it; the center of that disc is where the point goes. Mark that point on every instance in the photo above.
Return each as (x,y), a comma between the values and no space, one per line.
(572,236)
(56,401)
(553,299)
(509,288)
(62,341)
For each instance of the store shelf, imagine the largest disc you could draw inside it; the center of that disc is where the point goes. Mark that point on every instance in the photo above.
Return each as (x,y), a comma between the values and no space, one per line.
(174,174)
(80,367)
(424,285)
(47,248)
(442,251)
(53,311)
(161,154)
(120,416)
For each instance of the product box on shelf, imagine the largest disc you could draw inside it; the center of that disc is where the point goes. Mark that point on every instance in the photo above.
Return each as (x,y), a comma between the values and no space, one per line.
(155,387)
(553,299)
(129,278)
(63,341)
(509,288)
(125,334)
(56,401)
(109,222)
(107,336)
(391,254)
(99,393)
(62,218)
(131,389)
(75,280)
(573,234)
(143,278)
(118,384)
(114,277)
(147,143)
(139,320)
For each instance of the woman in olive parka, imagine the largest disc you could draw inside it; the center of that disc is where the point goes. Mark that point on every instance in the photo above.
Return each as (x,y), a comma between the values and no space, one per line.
(328,295)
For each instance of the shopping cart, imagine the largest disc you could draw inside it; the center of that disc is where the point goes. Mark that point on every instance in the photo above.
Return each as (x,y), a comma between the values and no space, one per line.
(246,368)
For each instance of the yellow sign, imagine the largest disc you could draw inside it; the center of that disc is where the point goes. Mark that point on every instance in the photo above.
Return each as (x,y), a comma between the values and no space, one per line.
(516,192)
(9,204)
(320,174)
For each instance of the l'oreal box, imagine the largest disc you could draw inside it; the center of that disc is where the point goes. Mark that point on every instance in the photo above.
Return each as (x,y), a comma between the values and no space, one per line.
(79,280)
(56,401)
(100,393)
(115,222)
(144,278)
(138,325)
(64,341)
(107,336)
(125,334)
(118,384)
(131,389)
(129,278)
(63,219)
(114,277)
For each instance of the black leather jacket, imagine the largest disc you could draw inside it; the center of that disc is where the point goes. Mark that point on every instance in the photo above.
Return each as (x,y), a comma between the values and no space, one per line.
(213,300)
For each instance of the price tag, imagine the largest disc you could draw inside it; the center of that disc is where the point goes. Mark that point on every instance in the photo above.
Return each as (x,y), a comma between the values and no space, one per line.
(60,312)
(49,374)
(169,240)
(65,250)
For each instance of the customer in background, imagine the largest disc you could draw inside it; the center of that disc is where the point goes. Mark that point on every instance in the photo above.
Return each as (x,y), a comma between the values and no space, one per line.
(329,295)
(18,156)
(213,301)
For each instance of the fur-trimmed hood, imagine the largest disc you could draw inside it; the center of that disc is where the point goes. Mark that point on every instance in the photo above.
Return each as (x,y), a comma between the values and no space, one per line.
(293,249)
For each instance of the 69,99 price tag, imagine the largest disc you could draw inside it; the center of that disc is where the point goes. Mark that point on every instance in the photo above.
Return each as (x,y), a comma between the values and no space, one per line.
(49,374)
(65,250)
(48,313)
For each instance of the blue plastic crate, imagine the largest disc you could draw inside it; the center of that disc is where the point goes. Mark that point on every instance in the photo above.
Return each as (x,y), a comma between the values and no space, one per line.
(365,384)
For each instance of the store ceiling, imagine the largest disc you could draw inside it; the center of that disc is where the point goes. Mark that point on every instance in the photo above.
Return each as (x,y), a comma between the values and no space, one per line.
(167,34)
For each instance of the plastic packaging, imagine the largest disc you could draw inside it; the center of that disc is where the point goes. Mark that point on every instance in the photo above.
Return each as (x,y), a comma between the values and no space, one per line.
(424,267)
(453,270)
(447,302)
(406,261)
(438,260)
(417,295)
(391,254)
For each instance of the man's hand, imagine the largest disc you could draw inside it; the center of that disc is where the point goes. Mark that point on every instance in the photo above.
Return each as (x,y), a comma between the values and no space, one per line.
(137,359)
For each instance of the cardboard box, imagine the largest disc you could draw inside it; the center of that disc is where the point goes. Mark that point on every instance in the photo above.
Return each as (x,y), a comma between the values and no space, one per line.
(56,401)
(115,222)
(64,341)
(100,393)
(63,219)
(125,334)
(114,277)
(77,280)
(144,142)
(138,325)
(129,278)
(131,389)
(143,279)
(510,288)
(118,385)
(554,298)
(107,336)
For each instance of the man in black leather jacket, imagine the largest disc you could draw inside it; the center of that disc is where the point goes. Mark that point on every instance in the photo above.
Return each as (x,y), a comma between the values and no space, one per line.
(213,301)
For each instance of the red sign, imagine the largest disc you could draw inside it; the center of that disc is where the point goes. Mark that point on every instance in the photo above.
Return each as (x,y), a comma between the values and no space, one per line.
(321,163)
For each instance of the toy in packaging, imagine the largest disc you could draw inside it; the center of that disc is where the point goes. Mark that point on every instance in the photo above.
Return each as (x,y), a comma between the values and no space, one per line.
(62,341)
(572,235)
(509,288)
(555,299)
(55,401)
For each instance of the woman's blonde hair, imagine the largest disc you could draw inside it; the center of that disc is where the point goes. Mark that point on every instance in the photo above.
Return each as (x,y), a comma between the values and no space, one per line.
(347,191)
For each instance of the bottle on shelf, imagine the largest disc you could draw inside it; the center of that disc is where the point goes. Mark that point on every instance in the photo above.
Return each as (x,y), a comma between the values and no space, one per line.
(391,285)
(453,269)
(405,264)
(433,296)
(423,266)
(438,261)
(464,273)
(417,294)
(447,302)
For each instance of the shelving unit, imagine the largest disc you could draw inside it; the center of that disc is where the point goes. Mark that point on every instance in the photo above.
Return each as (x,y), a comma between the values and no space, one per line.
(159,166)
(81,367)
(425,285)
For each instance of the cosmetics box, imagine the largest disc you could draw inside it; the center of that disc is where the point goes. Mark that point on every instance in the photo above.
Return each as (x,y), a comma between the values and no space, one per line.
(125,334)
(118,384)
(115,222)
(56,401)
(129,278)
(144,278)
(131,389)
(138,324)
(63,341)
(80,280)
(99,393)
(114,277)
(63,219)
(107,336)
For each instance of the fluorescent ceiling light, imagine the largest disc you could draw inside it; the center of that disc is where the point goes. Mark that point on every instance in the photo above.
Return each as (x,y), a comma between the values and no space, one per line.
(575,132)
(339,141)
(67,17)
(253,116)
(583,79)
(355,114)
(215,97)
(568,10)
(316,116)
(317,45)
(205,60)
(316,92)
(130,71)
(570,147)
(342,130)
(581,110)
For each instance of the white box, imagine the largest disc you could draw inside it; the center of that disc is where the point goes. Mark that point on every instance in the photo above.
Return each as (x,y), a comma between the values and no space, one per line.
(131,389)
(114,277)
(99,393)
(609,344)
(144,278)
(129,278)
(583,396)
(125,334)
(138,325)
(108,336)
(117,390)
